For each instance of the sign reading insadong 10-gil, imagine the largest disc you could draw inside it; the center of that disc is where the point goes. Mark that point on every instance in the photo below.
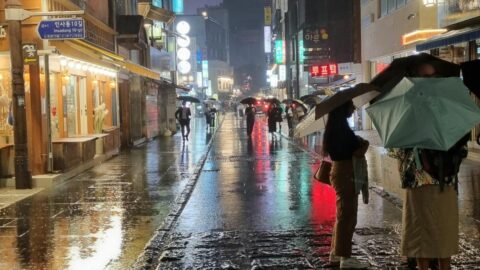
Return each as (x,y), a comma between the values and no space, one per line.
(62,29)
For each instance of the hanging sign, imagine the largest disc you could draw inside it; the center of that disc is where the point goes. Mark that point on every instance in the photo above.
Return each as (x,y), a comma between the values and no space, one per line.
(30,55)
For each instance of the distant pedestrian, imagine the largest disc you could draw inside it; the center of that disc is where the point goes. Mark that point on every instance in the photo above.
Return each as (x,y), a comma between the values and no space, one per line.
(183,115)
(272,119)
(240,110)
(342,145)
(250,113)
(279,118)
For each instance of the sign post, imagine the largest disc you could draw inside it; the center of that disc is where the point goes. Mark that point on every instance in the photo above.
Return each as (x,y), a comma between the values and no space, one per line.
(14,15)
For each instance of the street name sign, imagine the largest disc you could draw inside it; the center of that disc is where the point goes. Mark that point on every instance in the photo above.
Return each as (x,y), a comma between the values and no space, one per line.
(62,29)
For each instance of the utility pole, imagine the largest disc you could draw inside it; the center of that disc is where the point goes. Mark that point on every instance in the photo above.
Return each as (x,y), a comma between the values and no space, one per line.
(23,177)
(14,15)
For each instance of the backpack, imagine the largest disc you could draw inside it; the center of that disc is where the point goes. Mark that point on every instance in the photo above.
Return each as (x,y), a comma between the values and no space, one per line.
(445,165)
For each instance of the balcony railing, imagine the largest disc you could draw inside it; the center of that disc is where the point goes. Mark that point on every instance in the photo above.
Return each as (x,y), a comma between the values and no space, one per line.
(97,32)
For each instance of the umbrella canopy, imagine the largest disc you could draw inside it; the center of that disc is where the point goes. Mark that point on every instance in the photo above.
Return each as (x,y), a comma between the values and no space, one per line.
(407,67)
(310,125)
(189,99)
(470,76)
(296,102)
(430,113)
(311,100)
(339,98)
(249,100)
(272,100)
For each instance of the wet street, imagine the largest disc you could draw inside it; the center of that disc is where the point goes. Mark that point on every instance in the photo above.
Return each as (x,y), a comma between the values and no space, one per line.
(237,203)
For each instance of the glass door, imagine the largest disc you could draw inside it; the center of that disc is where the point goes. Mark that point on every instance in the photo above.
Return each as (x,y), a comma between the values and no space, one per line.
(71,106)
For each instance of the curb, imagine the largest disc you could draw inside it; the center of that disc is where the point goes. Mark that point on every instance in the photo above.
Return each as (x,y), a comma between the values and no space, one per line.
(149,258)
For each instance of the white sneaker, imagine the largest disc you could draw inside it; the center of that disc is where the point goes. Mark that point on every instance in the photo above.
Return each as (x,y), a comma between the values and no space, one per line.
(352,263)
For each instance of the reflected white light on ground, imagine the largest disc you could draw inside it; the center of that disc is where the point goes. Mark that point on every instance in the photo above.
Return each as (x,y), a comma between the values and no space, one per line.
(107,247)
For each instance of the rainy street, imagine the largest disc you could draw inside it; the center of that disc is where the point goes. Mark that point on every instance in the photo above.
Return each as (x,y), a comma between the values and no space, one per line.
(232,204)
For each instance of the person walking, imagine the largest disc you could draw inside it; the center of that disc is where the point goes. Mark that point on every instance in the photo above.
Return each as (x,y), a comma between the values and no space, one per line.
(272,118)
(430,217)
(183,115)
(250,113)
(289,115)
(279,118)
(341,144)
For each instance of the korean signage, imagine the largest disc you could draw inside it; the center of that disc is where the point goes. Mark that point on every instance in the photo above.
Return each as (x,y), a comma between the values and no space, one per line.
(279,51)
(315,37)
(268,15)
(324,70)
(62,29)
(30,55)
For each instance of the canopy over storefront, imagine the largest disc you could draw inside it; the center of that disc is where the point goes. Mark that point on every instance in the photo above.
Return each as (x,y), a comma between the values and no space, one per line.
(450,38)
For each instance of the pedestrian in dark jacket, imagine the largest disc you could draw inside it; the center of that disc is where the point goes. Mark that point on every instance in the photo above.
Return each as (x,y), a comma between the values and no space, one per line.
(272,120)
(183,115)
(341,144)
(250,113)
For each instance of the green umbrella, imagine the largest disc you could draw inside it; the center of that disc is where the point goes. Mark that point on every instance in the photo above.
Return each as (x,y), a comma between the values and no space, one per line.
(430,113)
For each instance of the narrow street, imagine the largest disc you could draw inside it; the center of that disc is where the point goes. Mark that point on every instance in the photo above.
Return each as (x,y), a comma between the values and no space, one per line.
(233,204)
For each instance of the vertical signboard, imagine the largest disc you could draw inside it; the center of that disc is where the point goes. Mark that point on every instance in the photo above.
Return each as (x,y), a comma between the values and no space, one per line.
(268,15)
(267,38)
(279,51)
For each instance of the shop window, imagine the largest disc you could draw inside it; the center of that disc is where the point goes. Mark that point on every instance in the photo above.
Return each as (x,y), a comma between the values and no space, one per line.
(389,6)
(54,122)
(6,129)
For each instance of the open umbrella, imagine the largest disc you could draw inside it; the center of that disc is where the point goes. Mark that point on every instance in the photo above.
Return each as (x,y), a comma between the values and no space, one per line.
(249,100)
(272,100)
(297,102)
(407,67)
(311,100)
(339,98)
(430,113)
(310,125)
(189,99)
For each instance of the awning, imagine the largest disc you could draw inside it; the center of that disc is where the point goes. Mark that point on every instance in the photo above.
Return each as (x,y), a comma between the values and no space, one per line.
(147,10)
(450,38)
(142,71)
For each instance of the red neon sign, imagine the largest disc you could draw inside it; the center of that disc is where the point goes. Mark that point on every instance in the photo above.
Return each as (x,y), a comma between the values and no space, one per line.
(324,70)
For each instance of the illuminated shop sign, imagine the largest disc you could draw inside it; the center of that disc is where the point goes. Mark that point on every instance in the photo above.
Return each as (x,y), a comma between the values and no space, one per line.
(279,52)
(178,6)
(324,70)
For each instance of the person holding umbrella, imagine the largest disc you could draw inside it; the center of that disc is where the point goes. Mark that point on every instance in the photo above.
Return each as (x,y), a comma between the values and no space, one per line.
(183,115)
(342,145)
(272,115)
(250,113)
(430,209)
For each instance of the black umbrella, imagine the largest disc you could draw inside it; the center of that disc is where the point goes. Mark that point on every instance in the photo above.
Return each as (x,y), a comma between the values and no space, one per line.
(249,100)
(407,67)
(470,76)
(189,99)
(272,100)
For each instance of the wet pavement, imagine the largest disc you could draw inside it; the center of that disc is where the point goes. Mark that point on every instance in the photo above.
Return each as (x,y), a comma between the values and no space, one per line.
(236,203)
(103,218)
(255,206)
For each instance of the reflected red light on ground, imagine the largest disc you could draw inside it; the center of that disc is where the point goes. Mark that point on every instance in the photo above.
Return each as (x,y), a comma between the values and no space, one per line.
(323,204)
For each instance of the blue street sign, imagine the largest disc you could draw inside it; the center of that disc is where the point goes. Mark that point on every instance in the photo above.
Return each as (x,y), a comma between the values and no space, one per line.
(62,29)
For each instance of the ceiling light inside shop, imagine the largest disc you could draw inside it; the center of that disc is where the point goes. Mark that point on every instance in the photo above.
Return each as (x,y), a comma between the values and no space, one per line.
(63,62)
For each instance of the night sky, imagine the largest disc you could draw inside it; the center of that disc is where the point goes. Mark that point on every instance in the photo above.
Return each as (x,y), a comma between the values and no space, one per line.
(192,5)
